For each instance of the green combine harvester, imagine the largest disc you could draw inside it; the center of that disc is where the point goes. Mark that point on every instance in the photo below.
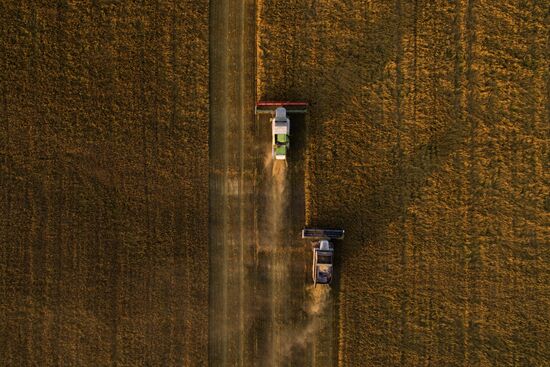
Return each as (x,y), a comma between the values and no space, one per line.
(280,124)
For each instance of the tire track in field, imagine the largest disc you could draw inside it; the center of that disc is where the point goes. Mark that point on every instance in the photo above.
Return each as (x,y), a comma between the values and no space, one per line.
(241,116)
(57,265)
(179,332)
(115,282)
(146,195)
(401,174)
(32,349)
(218,160)
(231,185)
(417,257)
(458,106)
(59,204)
(6,178)
(474,260)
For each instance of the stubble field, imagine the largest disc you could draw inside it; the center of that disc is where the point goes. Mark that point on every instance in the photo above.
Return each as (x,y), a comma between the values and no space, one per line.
(104,183)
(428,141)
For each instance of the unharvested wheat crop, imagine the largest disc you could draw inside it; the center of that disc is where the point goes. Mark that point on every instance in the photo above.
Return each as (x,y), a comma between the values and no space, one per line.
(103,183)
(428,141)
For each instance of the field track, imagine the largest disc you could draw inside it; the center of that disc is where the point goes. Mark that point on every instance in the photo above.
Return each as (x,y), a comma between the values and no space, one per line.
(261,313)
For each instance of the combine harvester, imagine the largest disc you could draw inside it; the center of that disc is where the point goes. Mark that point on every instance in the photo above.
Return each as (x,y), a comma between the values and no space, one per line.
(323,252)
(280,124)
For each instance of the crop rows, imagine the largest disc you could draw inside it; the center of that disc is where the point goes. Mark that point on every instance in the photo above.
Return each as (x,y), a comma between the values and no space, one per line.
(104,178)
(428,142)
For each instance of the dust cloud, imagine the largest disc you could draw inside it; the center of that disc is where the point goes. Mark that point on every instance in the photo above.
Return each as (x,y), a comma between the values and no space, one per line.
(296,340)
(277,200)
(287,339)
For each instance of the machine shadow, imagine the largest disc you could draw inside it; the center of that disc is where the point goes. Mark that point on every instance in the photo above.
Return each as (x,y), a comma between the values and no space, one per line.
(401,185)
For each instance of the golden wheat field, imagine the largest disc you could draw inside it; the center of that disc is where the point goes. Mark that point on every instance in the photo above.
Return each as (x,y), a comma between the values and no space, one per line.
(103,181)
(428,141)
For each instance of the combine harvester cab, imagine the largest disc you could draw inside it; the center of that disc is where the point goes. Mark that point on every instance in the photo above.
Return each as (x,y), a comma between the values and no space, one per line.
(280,124)
(280,131)
(323,252)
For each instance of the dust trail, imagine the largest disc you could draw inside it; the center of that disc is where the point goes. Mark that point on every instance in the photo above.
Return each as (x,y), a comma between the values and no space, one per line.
(276,219)
(277,200)
(287,339)
(296,341)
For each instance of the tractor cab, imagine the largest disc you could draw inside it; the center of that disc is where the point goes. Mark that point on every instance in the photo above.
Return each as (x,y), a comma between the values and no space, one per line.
(280,131)
(322,262)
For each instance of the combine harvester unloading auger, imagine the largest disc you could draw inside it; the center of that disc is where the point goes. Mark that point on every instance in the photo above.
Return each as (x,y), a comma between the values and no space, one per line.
(280,124)
(323,252)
